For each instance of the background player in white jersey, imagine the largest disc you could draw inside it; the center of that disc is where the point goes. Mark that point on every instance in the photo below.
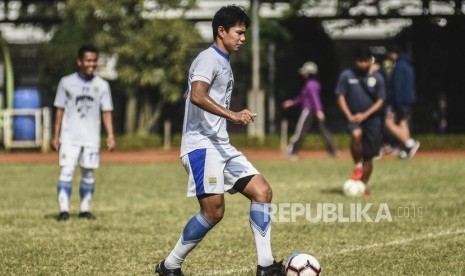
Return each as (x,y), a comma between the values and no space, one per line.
(80,98)
(213,165)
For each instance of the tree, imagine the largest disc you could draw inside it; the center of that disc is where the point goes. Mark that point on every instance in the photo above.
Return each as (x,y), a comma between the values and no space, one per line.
(153,51)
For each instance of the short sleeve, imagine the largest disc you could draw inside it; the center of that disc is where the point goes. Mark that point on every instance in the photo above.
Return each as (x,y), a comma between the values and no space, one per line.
(203,70)
(60,98)
(341,86)
(106,101)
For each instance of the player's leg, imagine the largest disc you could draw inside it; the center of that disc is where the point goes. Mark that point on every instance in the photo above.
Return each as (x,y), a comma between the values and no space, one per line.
(259,192)
(68,156)
(328,138)
(211,212)
(301,129)
(89,160)
(86,191)
(206,182)
(356,149)
(64,190)
(372,139)
(248,181)
(410,145)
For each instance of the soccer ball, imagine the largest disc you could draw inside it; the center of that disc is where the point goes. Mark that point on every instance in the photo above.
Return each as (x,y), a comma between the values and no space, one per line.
(300,264)
(353,188)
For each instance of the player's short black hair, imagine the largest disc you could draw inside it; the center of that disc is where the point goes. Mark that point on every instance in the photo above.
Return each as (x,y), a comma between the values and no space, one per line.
(363,53)
(86,48)
(229,16)
(394,49)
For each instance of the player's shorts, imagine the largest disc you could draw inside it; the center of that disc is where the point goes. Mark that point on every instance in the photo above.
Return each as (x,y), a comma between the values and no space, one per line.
(213,172)
(88,157)
(371,136)
(399,113)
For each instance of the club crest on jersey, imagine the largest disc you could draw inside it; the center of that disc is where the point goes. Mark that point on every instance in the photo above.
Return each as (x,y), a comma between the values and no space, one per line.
(95,89)
(371,81)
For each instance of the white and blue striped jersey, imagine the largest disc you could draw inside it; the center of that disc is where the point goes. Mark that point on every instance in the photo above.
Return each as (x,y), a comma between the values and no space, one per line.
(82,101)
(202,129)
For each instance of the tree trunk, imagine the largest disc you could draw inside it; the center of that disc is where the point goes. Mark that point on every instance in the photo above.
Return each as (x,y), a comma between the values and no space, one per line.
(151,120)
(131,110)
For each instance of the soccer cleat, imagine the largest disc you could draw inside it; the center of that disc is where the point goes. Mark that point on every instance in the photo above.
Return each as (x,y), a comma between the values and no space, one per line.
(163,271)
(366,193)
(87,215)
(63,216)
(275,269)
(357,173)
(411,151)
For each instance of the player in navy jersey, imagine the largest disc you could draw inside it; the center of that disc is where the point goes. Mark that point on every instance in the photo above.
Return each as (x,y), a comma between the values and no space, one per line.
(213,165)
(79,102)
(361,94)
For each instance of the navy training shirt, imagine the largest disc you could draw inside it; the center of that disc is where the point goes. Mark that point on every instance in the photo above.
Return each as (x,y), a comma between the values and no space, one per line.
(357,99)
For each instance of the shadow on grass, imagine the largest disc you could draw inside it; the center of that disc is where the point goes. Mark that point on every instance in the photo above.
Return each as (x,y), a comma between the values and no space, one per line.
(334,191)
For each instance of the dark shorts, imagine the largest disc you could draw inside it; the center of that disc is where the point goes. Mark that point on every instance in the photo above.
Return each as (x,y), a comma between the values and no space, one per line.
(400,113)
(371,136)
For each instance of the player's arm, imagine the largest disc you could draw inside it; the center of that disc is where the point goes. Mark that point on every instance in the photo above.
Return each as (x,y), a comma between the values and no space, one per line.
(374,108)
(200,98)
(341,101)
(108,124)
(57,127)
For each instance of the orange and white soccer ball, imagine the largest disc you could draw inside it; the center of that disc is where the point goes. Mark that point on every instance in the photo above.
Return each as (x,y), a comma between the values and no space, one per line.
(301,264)
(354,188)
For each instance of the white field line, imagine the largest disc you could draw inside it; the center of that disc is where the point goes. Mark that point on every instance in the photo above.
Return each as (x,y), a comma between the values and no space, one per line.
(429,236)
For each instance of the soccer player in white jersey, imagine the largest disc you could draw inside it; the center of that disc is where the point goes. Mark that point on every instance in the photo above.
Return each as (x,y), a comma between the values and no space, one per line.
(213,165)
(80,99)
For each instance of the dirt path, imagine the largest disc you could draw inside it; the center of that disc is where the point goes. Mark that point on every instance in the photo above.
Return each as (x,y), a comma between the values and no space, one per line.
(154,156)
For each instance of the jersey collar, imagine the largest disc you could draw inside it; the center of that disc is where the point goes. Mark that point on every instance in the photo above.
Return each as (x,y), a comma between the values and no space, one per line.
(84,79)
(225,56)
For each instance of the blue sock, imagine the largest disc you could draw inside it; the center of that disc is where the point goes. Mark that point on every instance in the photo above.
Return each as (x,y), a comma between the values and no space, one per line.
(86,191)
(260,223)
(194,231)
(64,189)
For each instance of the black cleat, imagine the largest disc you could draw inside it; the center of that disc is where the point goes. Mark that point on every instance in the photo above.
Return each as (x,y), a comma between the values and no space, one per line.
(87,215)
(63,216)
(276,269)
(163,271)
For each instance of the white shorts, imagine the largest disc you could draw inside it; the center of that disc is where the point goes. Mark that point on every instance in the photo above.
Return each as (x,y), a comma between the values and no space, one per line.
(214,172)
(87,157)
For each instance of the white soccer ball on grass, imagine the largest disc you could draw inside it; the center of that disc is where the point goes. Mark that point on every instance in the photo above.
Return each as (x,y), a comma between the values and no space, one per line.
(354,188)
(301,264)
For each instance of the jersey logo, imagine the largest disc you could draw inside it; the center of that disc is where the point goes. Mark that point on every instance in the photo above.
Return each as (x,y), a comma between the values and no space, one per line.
(353,81)
(212,180)
(84,104)
(371,81)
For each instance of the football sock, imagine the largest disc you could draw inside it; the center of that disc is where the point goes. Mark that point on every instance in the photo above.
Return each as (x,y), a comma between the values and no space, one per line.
(260,222)
(410,143)
(86,189)
(194,231)
(64,190)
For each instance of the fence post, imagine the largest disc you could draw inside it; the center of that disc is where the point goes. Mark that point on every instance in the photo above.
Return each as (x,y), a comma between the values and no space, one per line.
(284,128)
(167,135)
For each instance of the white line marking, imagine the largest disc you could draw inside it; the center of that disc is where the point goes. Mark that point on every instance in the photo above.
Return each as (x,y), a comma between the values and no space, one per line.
(429,236)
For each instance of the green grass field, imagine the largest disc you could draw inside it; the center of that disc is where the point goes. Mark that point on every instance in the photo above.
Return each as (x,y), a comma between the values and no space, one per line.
(141,210)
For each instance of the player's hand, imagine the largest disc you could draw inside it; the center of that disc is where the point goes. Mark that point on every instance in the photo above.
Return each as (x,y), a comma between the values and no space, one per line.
(287,104)
(111,143)
(320,115)
(359,117)
(243,117)
(56,143)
